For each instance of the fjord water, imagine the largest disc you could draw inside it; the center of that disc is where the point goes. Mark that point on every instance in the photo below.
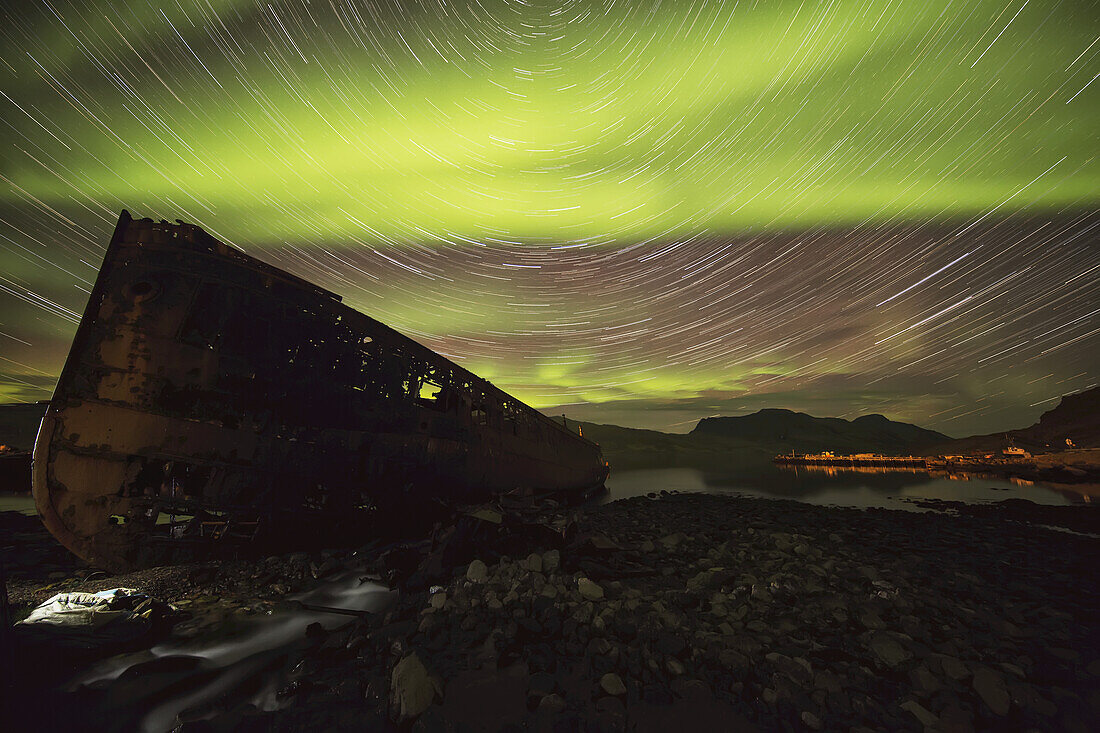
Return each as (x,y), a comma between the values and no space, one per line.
(832,487)
(836,487)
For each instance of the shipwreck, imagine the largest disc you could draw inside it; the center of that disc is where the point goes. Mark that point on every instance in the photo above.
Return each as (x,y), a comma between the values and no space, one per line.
(210,401)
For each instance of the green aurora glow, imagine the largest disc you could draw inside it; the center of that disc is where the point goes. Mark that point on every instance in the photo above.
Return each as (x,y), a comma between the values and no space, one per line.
(466,138)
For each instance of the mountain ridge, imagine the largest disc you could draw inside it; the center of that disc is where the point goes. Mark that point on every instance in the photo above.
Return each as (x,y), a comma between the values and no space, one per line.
(1076,417)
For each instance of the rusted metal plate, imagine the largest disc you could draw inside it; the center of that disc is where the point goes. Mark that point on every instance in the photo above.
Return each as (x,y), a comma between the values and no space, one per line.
(210,399)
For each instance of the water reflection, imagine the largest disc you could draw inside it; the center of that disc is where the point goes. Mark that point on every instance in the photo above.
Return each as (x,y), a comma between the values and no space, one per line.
(863,486)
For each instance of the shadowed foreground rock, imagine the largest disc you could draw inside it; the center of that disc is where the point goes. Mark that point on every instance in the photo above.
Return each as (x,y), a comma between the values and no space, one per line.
(700,612)
(720,613)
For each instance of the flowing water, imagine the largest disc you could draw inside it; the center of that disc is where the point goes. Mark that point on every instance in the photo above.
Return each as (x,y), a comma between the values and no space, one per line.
(248,664)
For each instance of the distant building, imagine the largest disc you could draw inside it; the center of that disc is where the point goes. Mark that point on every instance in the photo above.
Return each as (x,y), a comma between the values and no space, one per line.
(1018,452)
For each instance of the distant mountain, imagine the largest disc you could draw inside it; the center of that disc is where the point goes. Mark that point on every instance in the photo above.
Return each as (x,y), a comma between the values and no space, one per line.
(1076,417)
(757,438)
(804,433)
(18,429)
(19,424)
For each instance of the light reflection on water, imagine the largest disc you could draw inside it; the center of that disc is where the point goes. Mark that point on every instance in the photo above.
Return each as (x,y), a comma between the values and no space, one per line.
(863,487)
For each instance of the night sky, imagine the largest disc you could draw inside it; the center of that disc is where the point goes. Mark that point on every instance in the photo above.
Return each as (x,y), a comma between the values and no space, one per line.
(641,213)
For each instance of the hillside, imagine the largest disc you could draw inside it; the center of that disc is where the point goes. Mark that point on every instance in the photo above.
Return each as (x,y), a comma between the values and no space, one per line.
(19,424)
(1076,417)
(757,438)
(802,433)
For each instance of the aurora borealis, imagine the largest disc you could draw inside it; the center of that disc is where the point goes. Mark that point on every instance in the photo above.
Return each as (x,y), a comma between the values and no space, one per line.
(648,212)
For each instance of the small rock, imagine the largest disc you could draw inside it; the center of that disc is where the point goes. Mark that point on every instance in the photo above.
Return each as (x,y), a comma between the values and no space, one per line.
(760,594)
(551,704)
(888,650)
(551,561)
(589,590)
(437,600)
(477,572)
(924,681)
(672,540)
(871,620)
(533,562)
(926,718)
(990,686)
(953,668)
(810,720)
(612,684)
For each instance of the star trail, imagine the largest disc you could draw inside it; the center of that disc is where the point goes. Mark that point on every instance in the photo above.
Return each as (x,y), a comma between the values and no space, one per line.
(642,213)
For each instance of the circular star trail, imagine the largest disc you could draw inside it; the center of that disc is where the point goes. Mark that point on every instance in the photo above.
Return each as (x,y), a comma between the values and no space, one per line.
(634,212)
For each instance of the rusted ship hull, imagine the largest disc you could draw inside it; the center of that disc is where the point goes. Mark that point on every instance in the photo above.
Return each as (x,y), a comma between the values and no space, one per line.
(210,400)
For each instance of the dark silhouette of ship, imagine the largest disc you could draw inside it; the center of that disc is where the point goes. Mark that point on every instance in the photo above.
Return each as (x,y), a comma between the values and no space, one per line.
(211,400)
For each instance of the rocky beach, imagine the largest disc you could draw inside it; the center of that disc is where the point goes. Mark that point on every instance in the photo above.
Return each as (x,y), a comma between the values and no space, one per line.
(685,611)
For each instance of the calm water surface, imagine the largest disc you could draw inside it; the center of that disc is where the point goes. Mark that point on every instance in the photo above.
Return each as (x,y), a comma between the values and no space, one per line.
(22,503)
(836,487)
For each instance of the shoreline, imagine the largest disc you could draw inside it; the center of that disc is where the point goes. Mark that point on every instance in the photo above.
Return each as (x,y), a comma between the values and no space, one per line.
(759,613)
